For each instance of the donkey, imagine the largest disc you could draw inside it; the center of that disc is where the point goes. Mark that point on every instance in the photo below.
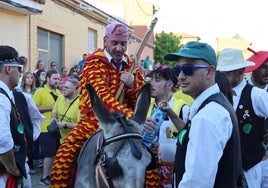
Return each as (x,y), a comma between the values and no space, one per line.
(115,157)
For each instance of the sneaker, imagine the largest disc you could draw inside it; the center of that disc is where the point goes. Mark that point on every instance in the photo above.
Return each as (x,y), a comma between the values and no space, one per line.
(39,163)
(45,181)
(32,171)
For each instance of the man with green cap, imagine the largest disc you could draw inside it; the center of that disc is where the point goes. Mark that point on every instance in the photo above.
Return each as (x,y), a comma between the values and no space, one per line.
(208,147)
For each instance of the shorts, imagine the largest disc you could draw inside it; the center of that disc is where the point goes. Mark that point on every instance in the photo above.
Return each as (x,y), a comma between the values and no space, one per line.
(48,145)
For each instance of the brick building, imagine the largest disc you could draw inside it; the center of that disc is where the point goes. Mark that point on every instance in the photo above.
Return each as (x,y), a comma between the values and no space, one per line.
(54,30)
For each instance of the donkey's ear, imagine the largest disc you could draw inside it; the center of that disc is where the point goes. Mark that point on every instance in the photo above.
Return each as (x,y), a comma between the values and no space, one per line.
(98,107)
(142,104)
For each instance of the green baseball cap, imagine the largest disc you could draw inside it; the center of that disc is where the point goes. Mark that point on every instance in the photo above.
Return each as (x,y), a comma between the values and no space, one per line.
(195,50)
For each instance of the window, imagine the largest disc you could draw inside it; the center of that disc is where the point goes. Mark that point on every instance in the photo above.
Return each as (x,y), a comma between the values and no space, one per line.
(92,40)
(49,46)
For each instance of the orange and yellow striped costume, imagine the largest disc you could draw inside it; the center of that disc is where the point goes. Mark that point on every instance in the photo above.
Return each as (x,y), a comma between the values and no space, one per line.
(99,73)
(152,179)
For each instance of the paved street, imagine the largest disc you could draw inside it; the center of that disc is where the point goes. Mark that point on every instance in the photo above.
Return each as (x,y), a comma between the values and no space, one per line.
(36,177)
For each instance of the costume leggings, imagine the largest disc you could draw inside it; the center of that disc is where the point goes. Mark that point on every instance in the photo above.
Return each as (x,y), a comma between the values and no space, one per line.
(62,174)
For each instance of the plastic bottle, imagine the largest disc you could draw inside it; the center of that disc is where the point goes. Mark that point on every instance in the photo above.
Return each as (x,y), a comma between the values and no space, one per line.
(148,138)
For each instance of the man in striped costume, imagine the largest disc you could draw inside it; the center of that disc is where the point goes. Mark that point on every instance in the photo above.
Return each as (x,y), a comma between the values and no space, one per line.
(104,69)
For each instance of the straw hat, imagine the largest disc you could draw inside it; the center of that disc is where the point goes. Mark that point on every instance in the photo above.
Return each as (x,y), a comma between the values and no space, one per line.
(232,59)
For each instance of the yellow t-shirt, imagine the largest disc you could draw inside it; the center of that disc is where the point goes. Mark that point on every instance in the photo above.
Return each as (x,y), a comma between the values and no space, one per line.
(186,98)
(71,116)
(42,97)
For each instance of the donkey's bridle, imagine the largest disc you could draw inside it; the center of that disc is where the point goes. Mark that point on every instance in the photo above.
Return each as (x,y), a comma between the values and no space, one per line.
(121,137)
(101,168)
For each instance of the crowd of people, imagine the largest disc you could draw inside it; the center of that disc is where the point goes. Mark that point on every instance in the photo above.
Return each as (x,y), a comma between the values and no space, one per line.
(206,125)
(37,107)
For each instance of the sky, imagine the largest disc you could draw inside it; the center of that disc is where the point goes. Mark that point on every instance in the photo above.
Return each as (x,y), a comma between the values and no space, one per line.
(209,19)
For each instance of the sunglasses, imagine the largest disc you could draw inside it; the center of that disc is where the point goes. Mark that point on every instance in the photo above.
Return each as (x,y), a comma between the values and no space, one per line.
(10,60)
(74,77)
(20,67)
(188,69)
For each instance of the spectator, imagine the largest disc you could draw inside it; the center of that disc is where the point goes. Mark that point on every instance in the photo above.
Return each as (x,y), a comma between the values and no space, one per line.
(104,69)
(65,109)
(22,60)
(40,78)
(28,83)
(259,78)
(63,77)
(147,63)
(12,143)
(141,63)
(73,72)
(64,74)
(81,63)
(53,66)
(39,66)
(163,84)
(44,99)
(259,72)
(211,133)
(250,104)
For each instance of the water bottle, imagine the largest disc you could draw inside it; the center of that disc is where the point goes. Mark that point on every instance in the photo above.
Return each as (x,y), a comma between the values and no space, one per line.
(148,138)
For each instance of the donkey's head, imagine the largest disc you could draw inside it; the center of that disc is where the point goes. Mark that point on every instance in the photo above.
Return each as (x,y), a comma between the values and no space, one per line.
(128,150)
(109,122)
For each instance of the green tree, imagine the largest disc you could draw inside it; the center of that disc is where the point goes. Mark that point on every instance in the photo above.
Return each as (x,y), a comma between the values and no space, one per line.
(165,43)
(237,36)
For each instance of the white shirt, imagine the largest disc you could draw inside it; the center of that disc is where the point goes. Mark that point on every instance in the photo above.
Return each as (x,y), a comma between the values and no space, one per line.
(259,98)
(210,130)
(6,140)
(168,145)
(109,57)
(35,115)
(265,88)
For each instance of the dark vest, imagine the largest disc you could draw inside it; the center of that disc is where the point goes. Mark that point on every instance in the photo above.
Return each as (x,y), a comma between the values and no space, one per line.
(18,138)
(22,106)
(251,130)
(230,164)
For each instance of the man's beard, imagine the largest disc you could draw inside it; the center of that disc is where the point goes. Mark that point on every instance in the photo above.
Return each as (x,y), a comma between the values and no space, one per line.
(53,86)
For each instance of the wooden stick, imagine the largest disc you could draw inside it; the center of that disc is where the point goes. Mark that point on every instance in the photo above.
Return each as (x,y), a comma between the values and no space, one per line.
(120,94)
